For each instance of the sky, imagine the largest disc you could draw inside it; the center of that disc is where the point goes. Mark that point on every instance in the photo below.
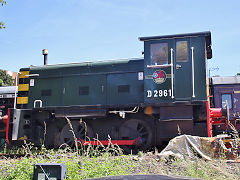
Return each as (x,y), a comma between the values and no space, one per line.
(91,30)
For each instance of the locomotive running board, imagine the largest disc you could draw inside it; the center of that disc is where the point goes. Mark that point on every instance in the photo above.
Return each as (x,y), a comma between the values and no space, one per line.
(107,142)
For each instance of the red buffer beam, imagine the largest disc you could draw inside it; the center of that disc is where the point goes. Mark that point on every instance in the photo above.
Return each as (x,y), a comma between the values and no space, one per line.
(214,116)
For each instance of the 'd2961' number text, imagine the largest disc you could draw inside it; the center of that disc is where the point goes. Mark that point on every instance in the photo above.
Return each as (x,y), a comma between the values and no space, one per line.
(159,93)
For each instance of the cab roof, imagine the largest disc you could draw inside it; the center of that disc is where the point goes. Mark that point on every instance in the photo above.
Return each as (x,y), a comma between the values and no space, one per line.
(206,34)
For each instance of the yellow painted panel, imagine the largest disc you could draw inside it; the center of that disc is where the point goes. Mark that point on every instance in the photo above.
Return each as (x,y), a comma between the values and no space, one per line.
(23,74)
(22,100)
(236,92)
(23,87)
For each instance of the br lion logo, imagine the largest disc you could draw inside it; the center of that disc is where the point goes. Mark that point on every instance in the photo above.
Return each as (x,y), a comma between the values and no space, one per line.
(159,76)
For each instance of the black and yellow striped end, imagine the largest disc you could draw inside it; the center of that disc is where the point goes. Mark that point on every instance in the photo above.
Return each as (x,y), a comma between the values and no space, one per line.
(23,87)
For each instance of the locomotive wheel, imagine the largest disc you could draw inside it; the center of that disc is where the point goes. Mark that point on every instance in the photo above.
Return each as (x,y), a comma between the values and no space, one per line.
(133,129)
(80,129)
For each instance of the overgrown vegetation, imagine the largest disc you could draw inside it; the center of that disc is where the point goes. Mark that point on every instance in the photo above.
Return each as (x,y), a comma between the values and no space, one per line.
(99,161)
(109,161)
(88,162)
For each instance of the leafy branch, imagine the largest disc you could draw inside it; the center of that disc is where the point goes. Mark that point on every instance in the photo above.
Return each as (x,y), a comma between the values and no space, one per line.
(2,26)
(5,79)
(2,2)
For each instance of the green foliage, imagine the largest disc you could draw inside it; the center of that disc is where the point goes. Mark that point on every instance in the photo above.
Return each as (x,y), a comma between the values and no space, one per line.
(101,161)
(22,170)
(5,79)
(88,162)
(78,167)
(2,25)
(2,2)
(106,164)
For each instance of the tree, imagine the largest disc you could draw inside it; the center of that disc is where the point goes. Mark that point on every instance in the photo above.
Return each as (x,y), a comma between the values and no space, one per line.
(2,25)
(2,2)
(5,79)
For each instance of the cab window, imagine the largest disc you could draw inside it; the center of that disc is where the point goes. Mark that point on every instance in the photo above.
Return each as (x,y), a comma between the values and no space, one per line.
(228,98)
(182,51)
(159,53)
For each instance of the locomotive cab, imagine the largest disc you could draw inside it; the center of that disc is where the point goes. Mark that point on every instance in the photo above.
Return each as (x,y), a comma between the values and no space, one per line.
(175,67)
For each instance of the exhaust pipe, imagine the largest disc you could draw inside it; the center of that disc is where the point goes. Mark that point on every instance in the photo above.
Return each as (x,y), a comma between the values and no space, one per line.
(45,54)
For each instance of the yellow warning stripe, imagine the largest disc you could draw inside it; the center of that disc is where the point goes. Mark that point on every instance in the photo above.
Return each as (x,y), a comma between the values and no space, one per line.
(22,100)
(23,74)
(23,87)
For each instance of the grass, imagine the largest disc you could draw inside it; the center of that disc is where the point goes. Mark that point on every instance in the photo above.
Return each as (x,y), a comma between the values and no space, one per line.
(79,166)
(91,165)
(100,161)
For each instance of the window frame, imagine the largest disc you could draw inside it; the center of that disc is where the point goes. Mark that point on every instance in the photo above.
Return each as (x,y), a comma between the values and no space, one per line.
(224,102)
(187,51)
(151,53)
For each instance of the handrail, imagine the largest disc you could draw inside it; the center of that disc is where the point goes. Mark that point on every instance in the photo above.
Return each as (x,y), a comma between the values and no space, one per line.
(31,75)
(158,66)
(193,78)
(40,103)
(172,71)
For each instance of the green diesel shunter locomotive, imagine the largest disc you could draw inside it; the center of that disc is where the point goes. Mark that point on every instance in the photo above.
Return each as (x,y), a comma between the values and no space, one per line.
(137,103)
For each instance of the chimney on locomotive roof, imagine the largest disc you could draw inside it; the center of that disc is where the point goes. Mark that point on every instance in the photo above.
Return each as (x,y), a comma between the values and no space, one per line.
(45,54)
